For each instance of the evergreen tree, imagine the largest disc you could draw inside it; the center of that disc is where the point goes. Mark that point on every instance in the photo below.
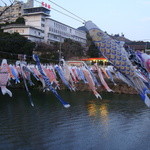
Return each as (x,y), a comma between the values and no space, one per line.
(71,49)
(20,20)
(92,51)
(15,44)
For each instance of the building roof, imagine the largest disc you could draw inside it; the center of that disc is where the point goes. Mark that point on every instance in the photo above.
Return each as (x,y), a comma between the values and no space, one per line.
(36,10)
(19,26)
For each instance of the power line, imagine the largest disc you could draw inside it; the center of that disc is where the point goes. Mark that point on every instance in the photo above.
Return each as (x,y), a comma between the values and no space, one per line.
(66,14)
(67,10)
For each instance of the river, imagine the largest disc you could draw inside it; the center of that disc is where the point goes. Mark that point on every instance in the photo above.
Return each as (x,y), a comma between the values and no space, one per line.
(117,122)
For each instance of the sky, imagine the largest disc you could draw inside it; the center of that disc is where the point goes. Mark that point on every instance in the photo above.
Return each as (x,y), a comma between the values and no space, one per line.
(130,17)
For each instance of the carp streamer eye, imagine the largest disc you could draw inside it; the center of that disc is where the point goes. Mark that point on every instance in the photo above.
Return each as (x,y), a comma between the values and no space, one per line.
(99,34)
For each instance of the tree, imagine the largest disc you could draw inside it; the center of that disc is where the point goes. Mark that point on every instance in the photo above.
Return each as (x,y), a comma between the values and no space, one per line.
(71,49)
(92,51)
(15,44)
(49,53)
(20,20)
(7,6)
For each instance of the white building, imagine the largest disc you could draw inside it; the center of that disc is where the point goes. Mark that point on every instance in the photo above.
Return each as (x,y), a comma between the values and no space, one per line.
(57,31)
(37,20)
(30,32)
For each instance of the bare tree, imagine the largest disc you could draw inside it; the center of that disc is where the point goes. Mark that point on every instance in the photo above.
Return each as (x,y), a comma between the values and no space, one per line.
(6,6)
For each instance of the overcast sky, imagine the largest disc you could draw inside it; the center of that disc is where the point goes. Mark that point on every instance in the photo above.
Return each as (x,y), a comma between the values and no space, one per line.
(130,17)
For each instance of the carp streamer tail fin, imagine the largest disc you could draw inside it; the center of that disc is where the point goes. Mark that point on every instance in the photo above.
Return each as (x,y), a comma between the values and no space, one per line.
(142,90)
(6,91)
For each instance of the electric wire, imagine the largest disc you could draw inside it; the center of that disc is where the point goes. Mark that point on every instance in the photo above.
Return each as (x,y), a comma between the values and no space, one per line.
(65,13)
(66,10)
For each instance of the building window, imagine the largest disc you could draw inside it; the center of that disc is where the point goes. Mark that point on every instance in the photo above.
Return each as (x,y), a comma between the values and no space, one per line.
(11,31)
(42,25)
(43,19)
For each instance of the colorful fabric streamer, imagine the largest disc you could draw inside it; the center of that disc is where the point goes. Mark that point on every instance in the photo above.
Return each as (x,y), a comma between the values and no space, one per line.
(47,82)
(118,57)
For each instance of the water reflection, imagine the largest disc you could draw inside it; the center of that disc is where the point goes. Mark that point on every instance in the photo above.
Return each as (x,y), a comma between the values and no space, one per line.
(100,111)
(91,109)
(104,112)
(96,109)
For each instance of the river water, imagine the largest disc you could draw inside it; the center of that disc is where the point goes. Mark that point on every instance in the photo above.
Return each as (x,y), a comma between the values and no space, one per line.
(118,122)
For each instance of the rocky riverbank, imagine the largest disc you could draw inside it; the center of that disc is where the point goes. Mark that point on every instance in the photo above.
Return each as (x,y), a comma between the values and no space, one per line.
(121,87)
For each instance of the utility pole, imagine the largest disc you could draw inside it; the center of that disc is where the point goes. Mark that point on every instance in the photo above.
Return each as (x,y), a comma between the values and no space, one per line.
(60,40)
(60,48)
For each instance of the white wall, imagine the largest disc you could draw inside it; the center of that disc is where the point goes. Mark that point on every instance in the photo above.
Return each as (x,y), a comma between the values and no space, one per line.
(33,34)
(58,31)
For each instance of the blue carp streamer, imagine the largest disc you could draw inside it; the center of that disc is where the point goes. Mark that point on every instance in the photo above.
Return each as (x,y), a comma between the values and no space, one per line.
(47,82)
(116,54)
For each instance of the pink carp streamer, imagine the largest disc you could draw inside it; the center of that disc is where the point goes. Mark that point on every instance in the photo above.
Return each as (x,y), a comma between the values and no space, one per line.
(91,83)
(4,76)
(145,60)
(102,78)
